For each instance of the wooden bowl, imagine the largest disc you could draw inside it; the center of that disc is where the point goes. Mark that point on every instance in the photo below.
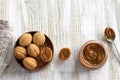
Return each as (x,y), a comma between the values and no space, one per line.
(40,63)
(85,62)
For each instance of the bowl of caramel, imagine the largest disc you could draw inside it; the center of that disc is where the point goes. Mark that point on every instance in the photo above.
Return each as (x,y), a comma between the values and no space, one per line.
(93,54)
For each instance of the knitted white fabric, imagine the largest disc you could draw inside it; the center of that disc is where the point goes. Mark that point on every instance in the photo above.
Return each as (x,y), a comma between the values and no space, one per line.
(5,39)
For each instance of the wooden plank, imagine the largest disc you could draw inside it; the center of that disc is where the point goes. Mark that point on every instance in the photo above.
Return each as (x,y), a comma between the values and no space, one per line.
(69,23)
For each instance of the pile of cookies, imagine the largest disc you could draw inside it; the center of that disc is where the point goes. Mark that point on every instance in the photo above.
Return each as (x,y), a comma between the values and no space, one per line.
(31,50)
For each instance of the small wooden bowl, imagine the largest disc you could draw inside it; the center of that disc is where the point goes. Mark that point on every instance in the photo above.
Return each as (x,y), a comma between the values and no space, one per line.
(40,63)
(85,63)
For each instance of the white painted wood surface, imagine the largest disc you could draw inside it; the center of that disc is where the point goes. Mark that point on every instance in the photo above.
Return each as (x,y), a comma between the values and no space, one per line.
(69,23)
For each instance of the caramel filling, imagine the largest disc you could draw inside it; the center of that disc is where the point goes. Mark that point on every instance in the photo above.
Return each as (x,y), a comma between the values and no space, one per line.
(109,33)
(46,54)
(94,53)
(64,54)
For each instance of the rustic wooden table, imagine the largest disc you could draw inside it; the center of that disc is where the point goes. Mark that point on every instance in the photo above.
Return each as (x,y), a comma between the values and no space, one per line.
(69,23)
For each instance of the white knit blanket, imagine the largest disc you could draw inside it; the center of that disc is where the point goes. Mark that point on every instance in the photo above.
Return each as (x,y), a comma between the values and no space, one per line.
(5,40)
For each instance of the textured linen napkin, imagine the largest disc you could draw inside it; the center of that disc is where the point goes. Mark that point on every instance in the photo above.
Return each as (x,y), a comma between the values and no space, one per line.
(5,41)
